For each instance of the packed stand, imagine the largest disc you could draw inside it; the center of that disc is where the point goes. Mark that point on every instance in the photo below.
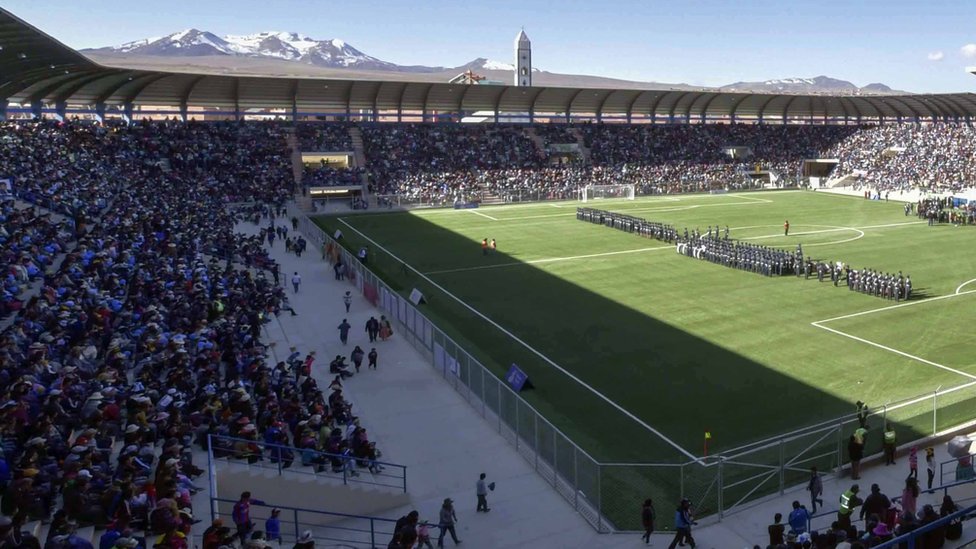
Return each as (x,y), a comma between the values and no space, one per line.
(324,137)
(441,163)
(143,342)
(556,133)
(324,175)
(29,244)
(899,157)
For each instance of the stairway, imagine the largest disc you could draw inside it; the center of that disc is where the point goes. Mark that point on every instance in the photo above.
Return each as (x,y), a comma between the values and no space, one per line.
(540,145)
(297,168)
(584,150)
(359,154)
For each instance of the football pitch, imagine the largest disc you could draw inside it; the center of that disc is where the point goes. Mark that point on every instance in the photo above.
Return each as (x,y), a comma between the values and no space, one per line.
(635,351)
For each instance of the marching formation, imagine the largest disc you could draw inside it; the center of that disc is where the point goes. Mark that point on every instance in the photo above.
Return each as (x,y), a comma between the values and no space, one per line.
(737,254)
(629,224)
(715,246)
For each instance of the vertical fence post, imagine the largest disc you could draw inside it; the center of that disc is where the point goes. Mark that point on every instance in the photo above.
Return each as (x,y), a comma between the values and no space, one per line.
(555,458)
(499,409)
(298,532)
(840,447)
(535,429)
(782,467)
(721,465)
(404,479)
(935,411)
(576,487)
(518,426)
(482,391)
(599,498)
(372,533)
(681,480)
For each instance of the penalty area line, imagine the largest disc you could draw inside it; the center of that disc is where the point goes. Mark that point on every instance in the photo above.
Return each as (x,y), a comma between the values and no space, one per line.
(475,212)
(531,349)
(895,351)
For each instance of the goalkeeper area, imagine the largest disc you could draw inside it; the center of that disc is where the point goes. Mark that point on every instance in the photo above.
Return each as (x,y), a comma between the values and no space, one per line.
(601,192)
(635,351)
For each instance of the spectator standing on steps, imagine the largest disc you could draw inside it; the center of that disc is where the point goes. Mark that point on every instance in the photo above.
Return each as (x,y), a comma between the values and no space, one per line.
(242,515)
(347,300)
(296,281)
(447,521)
(815,487)
(344,331)
(481,488)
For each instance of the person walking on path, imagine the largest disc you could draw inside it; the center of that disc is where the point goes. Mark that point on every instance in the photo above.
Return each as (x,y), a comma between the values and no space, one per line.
(682,525)
(372,328)
(647,519)
(372,359)
(913,462)
(344,331)
(347,300)
(357,357)
(930,464)
(481,488)
(386,329)
(296,281)
(447,521)
(815,487)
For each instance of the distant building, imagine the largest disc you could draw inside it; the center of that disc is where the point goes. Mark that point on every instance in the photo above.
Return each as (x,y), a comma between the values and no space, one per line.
(523,60)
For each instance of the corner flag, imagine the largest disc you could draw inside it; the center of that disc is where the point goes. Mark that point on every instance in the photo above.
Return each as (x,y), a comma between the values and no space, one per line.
(708,436)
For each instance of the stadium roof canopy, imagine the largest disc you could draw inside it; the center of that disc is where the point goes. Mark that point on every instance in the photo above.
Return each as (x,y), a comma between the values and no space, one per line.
(38,70)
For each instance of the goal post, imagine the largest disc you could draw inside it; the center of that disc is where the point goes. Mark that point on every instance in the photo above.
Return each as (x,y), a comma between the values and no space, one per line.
(600,192)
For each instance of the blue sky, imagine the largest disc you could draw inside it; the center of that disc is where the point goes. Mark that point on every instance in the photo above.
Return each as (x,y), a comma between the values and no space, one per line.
(919,46)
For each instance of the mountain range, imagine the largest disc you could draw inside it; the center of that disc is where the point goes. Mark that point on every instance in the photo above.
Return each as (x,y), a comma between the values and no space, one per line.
(275,53)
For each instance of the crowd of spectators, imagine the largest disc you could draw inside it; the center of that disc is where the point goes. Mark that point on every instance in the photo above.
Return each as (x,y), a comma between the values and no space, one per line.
(324,175)
(899,157)
(324,137)
(148,336)
(30,242)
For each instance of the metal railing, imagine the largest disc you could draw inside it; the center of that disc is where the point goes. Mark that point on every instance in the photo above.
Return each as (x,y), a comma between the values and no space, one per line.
(607,494)
(962,468)
(328,528)
(309,462)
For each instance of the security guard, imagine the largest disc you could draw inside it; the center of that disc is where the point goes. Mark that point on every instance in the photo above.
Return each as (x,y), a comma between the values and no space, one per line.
(889,444)
(848,501)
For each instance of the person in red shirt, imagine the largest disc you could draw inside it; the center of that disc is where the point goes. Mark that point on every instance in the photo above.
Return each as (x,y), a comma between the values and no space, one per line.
(786,228)
(484,246)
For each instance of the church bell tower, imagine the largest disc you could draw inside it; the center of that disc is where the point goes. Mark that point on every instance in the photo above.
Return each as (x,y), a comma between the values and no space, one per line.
(523,60)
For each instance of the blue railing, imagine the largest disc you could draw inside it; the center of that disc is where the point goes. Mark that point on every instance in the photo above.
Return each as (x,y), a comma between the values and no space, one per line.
(957,469)
(328,528)
(288,460)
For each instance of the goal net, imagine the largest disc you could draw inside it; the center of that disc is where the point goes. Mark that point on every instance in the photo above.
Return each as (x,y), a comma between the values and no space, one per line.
(599,192)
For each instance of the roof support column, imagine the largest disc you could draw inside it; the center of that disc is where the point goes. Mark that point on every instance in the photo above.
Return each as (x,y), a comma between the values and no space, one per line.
(36,109)
(184,111)
(127,112)
(60,110)
(294,108)
(100,112)
(3,109)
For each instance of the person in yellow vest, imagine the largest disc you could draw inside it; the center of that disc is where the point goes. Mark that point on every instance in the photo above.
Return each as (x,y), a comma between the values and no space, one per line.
(848,502)
(889,444)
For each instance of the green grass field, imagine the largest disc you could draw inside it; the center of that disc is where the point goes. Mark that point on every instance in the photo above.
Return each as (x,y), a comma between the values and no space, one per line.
(683,345)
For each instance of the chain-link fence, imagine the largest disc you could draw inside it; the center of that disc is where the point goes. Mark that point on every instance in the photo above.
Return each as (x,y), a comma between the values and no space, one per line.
(609,495)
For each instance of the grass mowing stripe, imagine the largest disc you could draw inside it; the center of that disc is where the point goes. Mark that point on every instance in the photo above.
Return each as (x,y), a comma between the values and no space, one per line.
(548,260)
(549,361)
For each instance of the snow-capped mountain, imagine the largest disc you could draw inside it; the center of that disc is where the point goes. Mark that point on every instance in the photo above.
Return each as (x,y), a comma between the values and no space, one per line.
(817,84)
(289,46)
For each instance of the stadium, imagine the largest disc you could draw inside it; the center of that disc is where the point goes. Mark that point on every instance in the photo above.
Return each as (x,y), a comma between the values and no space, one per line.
(533,276)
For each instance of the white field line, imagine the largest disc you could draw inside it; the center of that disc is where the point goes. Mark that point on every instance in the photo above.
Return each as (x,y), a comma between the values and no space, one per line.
(548,360)
(963,285)
(476,212)
(898,306)
(895,351)
(548,260)
(820,324)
